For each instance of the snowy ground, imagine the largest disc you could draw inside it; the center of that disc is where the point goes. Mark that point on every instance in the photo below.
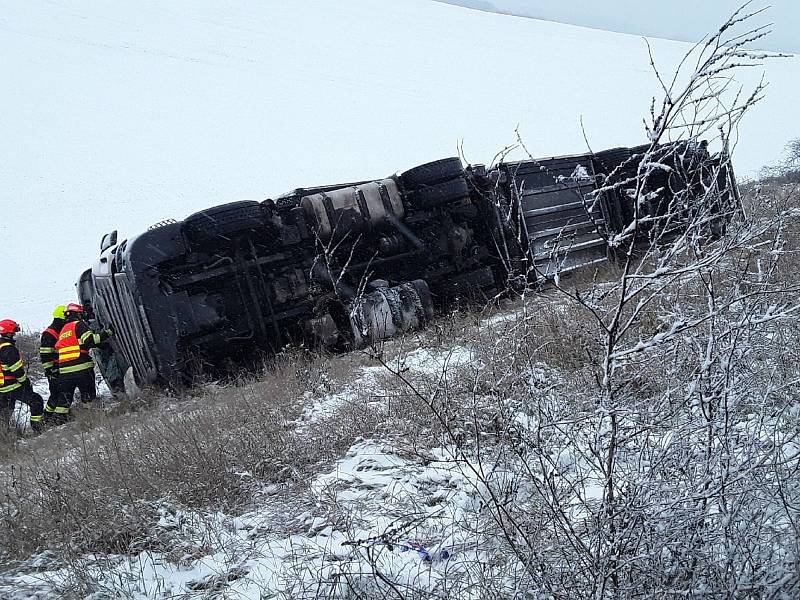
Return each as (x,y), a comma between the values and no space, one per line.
(253,558)
(119,115)
(413,513)
(388,508)
(21,414)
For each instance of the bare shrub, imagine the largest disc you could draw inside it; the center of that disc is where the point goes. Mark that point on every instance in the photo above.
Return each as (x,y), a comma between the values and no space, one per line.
(665,463)
(787,171)
(28,345)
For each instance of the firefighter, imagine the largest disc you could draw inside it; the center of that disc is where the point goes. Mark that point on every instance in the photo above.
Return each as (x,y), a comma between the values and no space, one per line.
(48,355)
(14,382)
(75,368)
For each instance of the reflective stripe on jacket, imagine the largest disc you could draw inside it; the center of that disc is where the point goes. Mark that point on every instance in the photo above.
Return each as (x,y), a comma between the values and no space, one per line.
(72,347)
(12,369)
(47,348)
(73,355)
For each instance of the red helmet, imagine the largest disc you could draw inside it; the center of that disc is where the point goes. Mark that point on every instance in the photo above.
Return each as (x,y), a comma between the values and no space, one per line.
(73,308)
(8,326)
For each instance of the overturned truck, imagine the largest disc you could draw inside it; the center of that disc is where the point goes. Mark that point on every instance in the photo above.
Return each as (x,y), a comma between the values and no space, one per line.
(345,265)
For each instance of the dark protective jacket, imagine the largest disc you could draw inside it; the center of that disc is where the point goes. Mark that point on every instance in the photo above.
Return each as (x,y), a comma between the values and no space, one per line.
(47,344)
(73,345)
(12,368)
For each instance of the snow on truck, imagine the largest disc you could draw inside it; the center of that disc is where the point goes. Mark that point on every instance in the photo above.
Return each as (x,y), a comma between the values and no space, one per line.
(345,265)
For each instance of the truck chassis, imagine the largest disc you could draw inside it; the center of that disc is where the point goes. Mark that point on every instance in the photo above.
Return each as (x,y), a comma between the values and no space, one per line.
(345,265)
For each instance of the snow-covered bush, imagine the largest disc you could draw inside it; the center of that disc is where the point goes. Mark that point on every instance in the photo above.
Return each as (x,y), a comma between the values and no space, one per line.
(665,462)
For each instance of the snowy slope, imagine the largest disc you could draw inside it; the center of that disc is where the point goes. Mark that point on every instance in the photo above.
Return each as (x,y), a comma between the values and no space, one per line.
(117,115)
(280,550)
(418,512)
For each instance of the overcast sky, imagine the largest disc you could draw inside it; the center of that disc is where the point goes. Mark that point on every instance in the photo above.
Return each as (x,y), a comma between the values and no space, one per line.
(686,20)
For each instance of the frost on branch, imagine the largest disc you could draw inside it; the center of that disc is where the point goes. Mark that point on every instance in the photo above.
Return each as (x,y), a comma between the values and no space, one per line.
(644,422)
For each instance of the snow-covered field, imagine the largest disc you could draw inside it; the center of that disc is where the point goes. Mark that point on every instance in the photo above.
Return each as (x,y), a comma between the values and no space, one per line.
(118,115)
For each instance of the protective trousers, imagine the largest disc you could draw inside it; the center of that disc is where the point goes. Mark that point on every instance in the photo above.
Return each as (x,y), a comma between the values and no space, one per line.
(55,411)
(26,395)
(6,410)
(65,386)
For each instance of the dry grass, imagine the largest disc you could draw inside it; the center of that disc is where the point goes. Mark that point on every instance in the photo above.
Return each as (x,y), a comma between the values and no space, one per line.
(98,483)
(95,482)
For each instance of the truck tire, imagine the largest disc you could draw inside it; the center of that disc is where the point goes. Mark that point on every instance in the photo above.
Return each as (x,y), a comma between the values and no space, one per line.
(438,195)
(224,220)
(432,173)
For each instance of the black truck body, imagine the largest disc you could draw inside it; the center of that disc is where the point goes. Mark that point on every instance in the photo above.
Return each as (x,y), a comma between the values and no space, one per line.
(344,265)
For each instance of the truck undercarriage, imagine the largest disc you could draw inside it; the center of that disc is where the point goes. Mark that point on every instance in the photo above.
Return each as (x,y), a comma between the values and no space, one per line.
(344,265)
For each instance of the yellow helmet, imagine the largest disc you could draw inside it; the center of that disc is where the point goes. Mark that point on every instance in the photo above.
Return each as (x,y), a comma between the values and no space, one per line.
(58,313)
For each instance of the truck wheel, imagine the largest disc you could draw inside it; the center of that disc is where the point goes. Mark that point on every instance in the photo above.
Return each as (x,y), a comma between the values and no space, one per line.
(432,173)
(438,195)
(224,220)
